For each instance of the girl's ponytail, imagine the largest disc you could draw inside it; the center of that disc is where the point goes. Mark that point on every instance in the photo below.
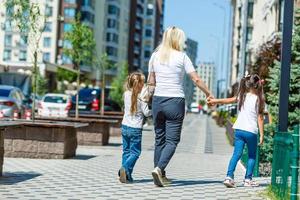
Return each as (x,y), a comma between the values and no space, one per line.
(134,82)
(134,96)
(261,98)
(241,92)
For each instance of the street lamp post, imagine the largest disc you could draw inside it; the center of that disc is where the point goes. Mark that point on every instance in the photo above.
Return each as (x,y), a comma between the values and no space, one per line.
(285,64)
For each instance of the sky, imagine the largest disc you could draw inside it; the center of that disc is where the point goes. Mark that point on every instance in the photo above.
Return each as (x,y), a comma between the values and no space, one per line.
(202,21)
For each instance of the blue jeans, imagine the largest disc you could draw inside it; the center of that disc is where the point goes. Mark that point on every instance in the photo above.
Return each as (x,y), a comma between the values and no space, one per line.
(242,138)
(132,145)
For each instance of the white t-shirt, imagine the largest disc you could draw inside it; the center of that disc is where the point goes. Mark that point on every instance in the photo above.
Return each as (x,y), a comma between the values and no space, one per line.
(136,120)
(247,117)
(170,77)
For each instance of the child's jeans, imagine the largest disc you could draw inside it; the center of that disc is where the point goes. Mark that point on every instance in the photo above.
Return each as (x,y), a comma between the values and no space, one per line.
(242,137)
(132,145)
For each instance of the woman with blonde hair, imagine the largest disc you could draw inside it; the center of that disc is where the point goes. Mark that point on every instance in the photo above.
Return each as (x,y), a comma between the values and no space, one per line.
(167,67)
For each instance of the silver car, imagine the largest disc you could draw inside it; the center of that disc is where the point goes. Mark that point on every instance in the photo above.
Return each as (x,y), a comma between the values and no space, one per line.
(12,100)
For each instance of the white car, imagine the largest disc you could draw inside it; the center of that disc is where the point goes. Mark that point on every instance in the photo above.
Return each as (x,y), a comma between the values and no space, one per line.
(195,107)
(54,105)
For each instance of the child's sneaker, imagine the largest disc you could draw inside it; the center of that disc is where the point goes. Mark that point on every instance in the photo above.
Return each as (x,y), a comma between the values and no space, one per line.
(250,183)
(229,182)
(122,175)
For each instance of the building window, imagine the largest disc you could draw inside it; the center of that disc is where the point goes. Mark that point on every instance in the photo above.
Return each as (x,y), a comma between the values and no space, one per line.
(250,10)
(111,51)
(112,23)
(47,42)
(70,1)
(66,59)
(150,9)
(148,32)
(7,25)
(87,16)
(67,44)
(69,12)
(112,37)
(8,40)
(90,3)
(22,55)
(67,27)
(48,26)
(48,11)
(147,54)
(249,33)
(46,57)
(23,40)
(113,10)
(7,55)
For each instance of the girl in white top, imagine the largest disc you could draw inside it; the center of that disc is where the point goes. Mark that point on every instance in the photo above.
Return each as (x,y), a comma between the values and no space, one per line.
(250,119)
(134,113)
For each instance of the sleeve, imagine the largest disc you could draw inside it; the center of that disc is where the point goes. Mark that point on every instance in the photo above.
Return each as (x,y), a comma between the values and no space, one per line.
(150,65)
(188,65)
(145,109)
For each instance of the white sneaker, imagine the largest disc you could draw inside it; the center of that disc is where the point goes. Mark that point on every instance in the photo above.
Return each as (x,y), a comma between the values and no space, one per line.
(229,182)
(250,183)
(157,177)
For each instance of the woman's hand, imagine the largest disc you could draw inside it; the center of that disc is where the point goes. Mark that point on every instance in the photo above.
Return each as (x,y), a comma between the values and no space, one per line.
(210,100)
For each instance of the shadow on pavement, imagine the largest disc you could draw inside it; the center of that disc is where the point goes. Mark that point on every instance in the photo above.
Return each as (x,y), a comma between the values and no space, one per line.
(17,177)
(83,157)
(113,145)
(143,181)
(177,183)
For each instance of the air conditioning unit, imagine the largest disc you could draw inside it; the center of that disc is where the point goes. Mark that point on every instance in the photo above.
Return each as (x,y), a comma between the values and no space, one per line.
(16,54)
(60,43)
(60,18)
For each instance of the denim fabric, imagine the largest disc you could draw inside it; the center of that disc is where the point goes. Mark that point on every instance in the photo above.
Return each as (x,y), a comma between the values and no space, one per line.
(242,138)
(132,145)
(168,115)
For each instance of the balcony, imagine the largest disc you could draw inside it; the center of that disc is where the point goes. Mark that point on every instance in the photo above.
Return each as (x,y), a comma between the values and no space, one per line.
(136,50)
(137,38)
(138,26)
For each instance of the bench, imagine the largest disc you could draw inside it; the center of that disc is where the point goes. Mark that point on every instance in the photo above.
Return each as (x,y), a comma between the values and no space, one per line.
(41,139)
(115,128)
(96,133)
(3,127)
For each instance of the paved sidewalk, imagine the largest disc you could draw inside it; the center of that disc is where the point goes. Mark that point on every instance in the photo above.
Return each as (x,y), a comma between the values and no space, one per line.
(197,170)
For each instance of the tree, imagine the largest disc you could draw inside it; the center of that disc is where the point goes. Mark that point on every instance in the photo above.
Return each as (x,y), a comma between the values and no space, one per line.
(102,64)
(30,22)
(118,85)
(274,77)
(81,48)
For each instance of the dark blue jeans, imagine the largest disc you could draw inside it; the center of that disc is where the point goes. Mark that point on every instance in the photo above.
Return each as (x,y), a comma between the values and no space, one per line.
(132,145)
(168,115)
(242,138)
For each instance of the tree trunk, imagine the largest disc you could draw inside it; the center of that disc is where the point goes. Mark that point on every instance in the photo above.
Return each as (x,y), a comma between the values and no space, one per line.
(77,93)
(34,82)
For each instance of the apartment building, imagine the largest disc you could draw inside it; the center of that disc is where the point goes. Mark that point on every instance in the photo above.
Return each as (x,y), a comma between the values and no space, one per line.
(16,52)
(145,32)
(207,72)
(189,87)
(127,30)
(254,23)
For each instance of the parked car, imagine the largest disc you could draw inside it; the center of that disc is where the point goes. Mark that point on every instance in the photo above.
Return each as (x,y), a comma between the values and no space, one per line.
(89,102)
(54,105)
(195,107)
(12,100)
